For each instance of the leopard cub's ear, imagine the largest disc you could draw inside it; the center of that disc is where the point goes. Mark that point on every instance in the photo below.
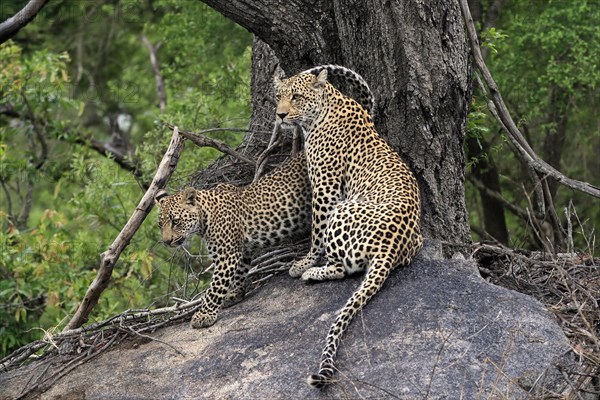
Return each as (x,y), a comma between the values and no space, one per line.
(189,196)
(160,196)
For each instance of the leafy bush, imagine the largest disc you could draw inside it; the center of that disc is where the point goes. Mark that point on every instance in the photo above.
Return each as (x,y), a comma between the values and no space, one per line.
(64,82)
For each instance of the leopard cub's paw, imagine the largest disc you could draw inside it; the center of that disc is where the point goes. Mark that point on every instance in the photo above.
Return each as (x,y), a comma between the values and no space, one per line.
(203,319)
(233,298)
(311,274)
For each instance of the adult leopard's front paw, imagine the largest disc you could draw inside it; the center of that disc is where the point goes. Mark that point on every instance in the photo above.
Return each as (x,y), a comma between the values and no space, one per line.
(299,266)
(203,319)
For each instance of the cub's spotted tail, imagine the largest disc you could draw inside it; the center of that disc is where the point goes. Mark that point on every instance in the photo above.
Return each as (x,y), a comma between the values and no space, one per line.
(376,275)
(366,98)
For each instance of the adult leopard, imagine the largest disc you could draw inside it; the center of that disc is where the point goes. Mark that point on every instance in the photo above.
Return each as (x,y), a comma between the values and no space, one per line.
(236,222)
(365,204)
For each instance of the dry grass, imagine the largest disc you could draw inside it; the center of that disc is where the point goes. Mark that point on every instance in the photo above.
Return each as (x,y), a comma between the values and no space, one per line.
(569,286)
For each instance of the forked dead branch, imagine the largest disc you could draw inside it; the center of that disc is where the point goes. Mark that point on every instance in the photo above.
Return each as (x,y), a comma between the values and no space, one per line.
(109,258)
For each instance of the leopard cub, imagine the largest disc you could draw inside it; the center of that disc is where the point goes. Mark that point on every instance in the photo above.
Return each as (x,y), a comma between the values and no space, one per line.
(236,222)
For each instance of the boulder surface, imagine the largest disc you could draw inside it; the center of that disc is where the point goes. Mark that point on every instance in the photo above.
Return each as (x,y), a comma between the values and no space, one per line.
(437,330)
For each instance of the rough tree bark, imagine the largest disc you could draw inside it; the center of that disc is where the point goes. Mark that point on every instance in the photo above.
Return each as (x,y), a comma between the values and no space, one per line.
(415,57)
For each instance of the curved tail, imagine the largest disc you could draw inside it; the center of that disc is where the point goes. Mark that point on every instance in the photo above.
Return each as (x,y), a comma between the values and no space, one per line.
(366,98)
(376,275)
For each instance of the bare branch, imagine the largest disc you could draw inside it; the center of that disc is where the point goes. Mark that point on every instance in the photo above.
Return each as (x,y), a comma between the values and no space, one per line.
(297,138)
(109,258)
(497,196)
(21,221)
(160,83)
(200,140)
(12,25)
(104,149)
(507,122)
(9,110)
(39,133)
(11,217)
(491,19)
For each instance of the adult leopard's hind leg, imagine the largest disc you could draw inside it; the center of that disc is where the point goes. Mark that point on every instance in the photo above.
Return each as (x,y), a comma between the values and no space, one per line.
(376,275)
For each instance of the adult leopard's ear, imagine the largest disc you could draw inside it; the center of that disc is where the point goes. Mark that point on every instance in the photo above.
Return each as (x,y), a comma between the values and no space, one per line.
(279,74)
(160,196)
(189,196)
(320,80)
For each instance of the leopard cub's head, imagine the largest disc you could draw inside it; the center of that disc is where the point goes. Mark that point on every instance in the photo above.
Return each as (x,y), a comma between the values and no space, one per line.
(299,98)
(179,215)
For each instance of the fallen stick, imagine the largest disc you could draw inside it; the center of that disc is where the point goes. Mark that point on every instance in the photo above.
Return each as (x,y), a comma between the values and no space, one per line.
(109,258)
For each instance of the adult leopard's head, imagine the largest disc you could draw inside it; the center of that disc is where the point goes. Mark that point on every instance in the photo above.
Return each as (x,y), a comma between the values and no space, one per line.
(179,216)
(300,98)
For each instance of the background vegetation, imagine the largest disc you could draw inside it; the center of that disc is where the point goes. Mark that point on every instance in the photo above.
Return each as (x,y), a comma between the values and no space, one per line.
(543,56)
(79,137)
(79,75)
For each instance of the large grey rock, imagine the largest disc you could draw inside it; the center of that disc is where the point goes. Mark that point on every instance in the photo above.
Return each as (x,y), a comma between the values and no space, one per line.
(437,330)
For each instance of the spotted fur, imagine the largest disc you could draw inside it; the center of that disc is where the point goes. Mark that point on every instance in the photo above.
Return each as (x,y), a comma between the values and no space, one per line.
(235,223)
(366,207)
(365,96)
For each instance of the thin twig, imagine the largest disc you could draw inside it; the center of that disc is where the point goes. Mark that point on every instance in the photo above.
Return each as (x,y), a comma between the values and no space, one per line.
(200,140)
(133,331)
(262,158)
(160,83)
(518,211)
(437,361)
(66,368)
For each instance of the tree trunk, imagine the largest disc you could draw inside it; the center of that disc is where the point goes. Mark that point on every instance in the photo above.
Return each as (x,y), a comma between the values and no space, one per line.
(415,57)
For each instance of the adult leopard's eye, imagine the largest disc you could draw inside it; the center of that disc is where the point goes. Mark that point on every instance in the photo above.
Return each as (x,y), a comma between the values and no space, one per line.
(176,221)
(296,96)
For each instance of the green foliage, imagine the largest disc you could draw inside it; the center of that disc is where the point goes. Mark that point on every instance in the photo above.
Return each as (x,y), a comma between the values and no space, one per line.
(491,37)
(477,126)
(544,58)
(64,77)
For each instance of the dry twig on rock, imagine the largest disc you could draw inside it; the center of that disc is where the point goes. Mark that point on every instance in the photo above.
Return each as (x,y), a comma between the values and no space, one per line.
(568,284)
